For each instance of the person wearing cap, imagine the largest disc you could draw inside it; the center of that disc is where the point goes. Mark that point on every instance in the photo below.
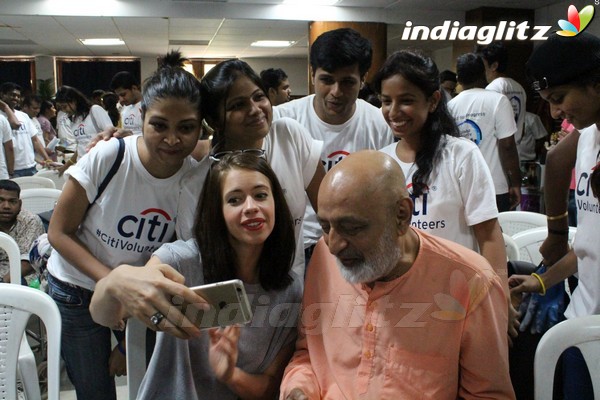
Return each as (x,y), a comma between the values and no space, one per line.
(570,83)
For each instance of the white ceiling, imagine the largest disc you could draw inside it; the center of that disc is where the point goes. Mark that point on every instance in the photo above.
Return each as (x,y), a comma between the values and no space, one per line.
(53,27)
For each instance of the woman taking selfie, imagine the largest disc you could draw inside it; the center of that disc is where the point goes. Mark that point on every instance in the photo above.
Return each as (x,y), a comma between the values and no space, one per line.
(243,230)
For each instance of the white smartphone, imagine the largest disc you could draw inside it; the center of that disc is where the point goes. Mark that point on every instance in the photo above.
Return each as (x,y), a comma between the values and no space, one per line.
(229,305)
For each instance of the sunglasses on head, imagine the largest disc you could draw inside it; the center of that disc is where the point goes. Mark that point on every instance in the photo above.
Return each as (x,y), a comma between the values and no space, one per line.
(254,152)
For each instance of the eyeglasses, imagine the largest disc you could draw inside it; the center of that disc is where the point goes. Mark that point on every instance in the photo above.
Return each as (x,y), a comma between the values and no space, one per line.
(253,152)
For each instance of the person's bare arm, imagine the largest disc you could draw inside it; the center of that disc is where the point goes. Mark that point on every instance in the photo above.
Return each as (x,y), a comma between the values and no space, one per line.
(9,155)
(560,161)
(10,115)
(142,291)
(39,149)
(66,218)
(509,158)
(313,187)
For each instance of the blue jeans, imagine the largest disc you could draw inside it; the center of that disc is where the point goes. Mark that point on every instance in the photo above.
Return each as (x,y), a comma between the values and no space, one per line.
(85,345)
(24,172)
(576,376)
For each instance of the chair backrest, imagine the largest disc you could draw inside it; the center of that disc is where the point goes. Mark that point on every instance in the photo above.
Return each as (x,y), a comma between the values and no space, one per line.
(135,339)
(59,181)
(33,182)
(529,243)
(512,250)
(39,200)
(17,304)
(584,333)
(8,244)
(27,363)
(513,222)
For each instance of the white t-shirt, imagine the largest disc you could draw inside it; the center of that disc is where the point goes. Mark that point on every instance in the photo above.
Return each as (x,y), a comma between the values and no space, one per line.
(133,216)
(6,135)
(366,129)
(460,193)
(517,97)
(585,300)
(131,118)
(63,127)
(39,132)
(24,151)
(534,130)
(84,130)
(293,156)
(485,117)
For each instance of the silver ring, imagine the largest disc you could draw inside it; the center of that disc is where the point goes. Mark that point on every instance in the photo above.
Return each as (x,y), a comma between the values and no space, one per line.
(157,318)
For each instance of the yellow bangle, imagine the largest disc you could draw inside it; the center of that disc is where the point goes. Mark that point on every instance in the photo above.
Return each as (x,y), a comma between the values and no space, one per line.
(554,218)
(539,278)
(70,162)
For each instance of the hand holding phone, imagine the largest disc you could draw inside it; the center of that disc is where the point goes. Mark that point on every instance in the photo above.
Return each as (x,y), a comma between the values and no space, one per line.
(229,305)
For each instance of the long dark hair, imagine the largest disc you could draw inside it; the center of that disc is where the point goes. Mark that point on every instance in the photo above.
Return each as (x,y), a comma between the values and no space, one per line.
(215,85)
(422,72)
(210,230)
(171,81)
(68,94)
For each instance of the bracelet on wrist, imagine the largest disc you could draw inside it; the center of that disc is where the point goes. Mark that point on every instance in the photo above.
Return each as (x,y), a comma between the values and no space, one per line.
(541,281)
(557,217)
(561,232)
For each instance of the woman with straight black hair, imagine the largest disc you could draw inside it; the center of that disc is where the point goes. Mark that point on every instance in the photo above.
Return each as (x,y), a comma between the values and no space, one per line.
(244,230)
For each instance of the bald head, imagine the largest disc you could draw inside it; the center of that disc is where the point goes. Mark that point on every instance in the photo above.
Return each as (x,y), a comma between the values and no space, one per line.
(368,174)
(365,213)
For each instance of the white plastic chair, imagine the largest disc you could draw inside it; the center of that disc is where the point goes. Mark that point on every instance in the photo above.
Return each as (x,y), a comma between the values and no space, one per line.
(17,304)
(529,243)
(135,343)
(59,181)
(27,364)
(584,333)
(33,182)
(39,200)
(512,250)
(513,222)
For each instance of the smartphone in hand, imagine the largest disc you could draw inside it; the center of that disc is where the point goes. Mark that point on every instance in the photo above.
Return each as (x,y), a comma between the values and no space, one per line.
(229,305)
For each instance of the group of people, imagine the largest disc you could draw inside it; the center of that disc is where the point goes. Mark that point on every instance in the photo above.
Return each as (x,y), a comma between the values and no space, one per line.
(378,225)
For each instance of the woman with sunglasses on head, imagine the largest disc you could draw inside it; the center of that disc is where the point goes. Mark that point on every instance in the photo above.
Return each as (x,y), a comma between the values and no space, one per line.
(571,85)
(243,230)
(238,110)
(133,216)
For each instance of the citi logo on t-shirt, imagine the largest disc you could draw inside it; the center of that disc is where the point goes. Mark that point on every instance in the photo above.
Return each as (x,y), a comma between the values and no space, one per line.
(130,120)
(334,158)
(79,131)
(420,206)
(151,225)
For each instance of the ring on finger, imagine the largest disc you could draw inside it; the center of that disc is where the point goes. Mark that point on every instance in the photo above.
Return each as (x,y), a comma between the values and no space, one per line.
(157,318)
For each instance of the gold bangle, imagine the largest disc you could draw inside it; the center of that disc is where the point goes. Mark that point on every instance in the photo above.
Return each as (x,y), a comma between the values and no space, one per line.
(555,217)
(539,278)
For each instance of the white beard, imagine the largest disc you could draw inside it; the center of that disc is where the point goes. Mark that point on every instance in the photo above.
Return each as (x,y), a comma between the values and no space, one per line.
(378,264)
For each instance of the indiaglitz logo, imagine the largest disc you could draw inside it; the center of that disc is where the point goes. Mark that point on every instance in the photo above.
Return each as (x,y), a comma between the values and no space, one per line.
(578,20)
(505,30)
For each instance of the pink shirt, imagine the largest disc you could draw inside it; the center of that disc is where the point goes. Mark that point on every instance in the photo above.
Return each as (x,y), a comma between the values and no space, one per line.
(437,332)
